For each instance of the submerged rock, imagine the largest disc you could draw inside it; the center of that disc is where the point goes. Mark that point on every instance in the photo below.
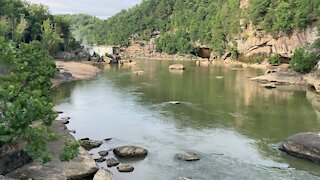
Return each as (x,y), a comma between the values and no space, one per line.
(89,144)
(177,67)
(112,162)
(130,151)
(188,156)
(303,145)
(103,174)
(103,153)
(125,168)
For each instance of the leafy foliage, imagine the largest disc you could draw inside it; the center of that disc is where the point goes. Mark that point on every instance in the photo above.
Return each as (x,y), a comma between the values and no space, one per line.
(70,151)
(303,61)
(274,60)
(24,94)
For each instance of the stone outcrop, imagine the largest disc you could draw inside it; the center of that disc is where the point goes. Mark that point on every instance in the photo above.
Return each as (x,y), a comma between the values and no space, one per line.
(303,145)
(112,162)
(255,41)
(103,174)
(130,151)
(81,167)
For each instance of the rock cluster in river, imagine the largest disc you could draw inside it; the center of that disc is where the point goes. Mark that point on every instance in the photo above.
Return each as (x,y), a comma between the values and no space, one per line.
(89,144)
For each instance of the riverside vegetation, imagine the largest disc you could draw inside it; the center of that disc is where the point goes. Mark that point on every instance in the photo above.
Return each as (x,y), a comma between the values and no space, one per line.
(28,35)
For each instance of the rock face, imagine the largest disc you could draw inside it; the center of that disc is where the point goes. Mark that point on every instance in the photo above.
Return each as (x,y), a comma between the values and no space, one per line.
(103,174)
(130,151)
(303,145)
(177,67)
(188,156)
(282,77)
(89,144)
(125,168)
(258,42)
(112,162)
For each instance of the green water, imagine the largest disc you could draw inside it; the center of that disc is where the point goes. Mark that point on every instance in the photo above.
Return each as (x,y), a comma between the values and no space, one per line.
(232,123)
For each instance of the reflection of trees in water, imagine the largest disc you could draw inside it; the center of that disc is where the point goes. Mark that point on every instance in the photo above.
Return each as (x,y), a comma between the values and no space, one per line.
(63,92)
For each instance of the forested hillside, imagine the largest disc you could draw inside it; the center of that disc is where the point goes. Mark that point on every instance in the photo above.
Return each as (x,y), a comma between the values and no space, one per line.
(184,22)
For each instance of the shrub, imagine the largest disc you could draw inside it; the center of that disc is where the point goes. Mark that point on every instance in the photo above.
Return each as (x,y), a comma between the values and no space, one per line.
(303,61)
(274,60)
(70,150)
(257,59)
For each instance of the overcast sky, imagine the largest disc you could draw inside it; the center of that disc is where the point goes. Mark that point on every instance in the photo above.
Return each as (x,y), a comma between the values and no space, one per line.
(100,8)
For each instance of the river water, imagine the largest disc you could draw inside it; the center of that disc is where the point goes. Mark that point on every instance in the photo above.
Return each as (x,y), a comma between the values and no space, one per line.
(231,123)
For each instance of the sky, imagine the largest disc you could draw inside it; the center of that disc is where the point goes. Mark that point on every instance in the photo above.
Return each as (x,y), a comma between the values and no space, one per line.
(100,8)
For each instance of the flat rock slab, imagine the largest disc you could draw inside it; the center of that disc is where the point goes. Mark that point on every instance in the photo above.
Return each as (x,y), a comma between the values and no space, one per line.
(125,168)
(188,156)
(103,174)
(38,171)
(112,162)
(303,145)
(89,144)
(130,151)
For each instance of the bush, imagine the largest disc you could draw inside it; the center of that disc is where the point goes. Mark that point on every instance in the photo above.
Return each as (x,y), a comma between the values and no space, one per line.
(303,61)
(257,59)
(274,60)
(70,151)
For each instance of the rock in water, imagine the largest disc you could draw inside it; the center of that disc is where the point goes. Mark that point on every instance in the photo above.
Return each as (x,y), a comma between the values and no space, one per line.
(303,145)
(103,174)
(183,178)
(89,144)
(188,156)
(174,102)
(125,168)
(103,153)
(177,67)
(100,160)
(130,151)
(112,162)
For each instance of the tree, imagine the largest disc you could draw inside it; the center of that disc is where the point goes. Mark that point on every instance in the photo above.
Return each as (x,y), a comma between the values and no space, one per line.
(24,94)
(4,26)
(20,30)
(50,35)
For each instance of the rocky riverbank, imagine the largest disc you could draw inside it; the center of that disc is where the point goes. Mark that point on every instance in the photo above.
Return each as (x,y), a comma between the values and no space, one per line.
(72,71)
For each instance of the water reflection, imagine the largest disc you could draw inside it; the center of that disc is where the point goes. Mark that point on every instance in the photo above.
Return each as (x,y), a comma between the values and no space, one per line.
(232,116)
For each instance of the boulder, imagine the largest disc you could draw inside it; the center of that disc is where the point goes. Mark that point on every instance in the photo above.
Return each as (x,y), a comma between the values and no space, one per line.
(103,153)
(100,160)
(125,168)
(177,67)
(112,162)
(89,144)
(81,167)
(303,145)
(130,151)
(103,174)
(188,156)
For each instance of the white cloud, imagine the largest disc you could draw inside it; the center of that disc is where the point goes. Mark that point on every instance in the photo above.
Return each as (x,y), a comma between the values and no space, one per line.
(99,8)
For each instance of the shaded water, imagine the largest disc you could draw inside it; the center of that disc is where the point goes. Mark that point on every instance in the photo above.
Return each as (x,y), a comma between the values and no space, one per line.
(232,123)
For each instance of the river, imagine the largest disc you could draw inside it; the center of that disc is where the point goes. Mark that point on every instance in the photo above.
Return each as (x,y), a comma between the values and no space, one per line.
(232,123)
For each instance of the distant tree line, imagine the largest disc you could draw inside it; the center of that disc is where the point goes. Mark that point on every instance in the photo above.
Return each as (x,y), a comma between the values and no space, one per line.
(182,23)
